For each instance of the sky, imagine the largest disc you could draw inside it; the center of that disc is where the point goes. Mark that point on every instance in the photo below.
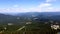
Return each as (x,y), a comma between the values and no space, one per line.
(19,6)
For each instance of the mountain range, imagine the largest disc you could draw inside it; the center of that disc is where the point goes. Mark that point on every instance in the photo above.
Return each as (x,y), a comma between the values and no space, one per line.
(29,16)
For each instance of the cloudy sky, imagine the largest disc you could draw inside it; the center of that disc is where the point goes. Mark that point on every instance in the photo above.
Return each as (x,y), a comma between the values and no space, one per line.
(16,6)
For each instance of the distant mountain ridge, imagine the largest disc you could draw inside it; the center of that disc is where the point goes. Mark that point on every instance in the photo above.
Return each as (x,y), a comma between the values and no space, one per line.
(41,13)
(24,17)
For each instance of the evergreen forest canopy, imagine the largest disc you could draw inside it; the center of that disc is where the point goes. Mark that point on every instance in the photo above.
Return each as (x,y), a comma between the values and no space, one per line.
(39,21)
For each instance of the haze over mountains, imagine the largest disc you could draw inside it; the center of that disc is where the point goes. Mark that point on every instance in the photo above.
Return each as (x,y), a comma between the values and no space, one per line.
(25,17)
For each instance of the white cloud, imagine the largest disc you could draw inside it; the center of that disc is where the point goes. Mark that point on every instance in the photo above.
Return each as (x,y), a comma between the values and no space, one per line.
(43,7)
(50,0)
(46,7)
(9,10)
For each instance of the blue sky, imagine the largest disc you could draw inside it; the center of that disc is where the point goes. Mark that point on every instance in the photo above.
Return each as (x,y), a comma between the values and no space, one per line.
(16,6)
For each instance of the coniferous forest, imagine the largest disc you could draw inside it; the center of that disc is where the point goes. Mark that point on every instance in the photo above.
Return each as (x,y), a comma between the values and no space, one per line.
(29,23)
